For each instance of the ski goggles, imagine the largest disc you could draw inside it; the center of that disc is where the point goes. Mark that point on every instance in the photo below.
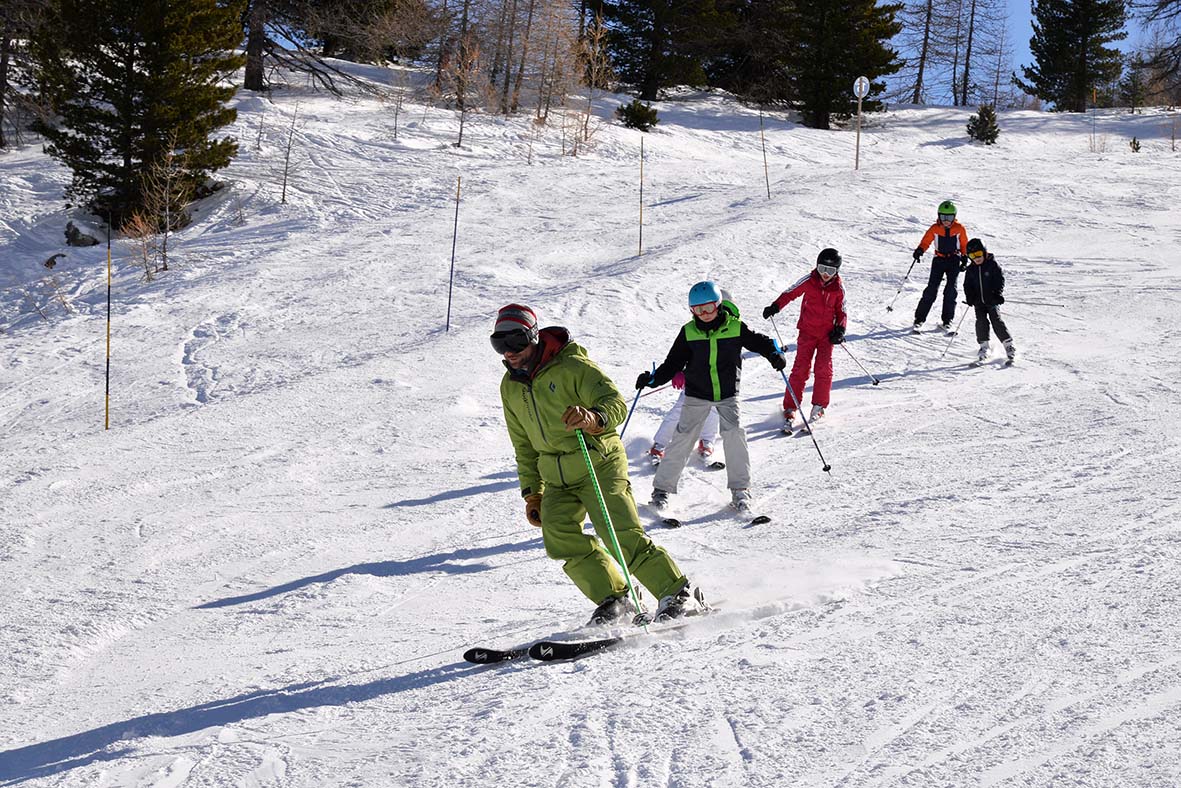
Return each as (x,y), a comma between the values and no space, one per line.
(827,270)
(510,341)
(976,255)
(946,217)
(704,309)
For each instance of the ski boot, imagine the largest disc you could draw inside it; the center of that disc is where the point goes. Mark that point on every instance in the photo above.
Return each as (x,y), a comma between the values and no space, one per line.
(689,601)
(659,499)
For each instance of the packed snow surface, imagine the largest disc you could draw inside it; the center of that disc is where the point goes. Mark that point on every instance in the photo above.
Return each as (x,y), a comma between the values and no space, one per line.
(305,509)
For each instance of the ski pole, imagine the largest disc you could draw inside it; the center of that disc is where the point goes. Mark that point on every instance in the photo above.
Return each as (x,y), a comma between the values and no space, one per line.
(863,369)
(610,526)
(827,468)
(635,402)
(955,334)
(1033,303)
(890,307)
(653,391)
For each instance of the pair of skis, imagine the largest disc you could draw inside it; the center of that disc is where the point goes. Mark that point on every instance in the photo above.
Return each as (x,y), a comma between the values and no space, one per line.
(560,650)
(760,519)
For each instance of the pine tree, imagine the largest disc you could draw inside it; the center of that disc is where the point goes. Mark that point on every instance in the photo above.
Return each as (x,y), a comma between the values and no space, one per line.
(748,51)
(656,44)
(123,77)
(983,126)
(836,41)
(1069,47)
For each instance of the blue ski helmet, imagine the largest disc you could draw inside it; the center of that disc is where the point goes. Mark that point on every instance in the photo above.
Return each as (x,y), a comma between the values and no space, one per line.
(704,293)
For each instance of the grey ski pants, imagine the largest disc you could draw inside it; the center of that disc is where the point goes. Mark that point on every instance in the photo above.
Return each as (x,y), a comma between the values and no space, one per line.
(693,415)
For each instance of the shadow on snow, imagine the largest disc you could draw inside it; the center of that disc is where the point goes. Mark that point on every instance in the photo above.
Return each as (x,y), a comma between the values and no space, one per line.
(82,749)
(438,562)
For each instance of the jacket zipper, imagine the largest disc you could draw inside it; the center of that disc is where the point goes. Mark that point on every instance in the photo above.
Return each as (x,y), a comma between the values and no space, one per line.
(537,415)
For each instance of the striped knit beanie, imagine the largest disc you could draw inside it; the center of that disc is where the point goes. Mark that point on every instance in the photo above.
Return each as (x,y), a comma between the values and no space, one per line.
(516,316)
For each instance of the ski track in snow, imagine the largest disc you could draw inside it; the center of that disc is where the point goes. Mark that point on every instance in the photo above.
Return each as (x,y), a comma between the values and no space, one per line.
(305,509)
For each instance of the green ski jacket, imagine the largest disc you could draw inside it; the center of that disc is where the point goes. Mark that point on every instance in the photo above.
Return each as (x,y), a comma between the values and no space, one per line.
(534,401)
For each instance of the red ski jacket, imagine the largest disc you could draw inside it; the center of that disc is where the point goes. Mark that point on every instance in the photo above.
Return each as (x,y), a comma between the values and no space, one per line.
(824,304)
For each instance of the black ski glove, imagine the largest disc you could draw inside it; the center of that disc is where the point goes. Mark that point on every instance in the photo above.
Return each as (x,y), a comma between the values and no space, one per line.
(769,311)
(837,335)
(644,380)
(918,252)
(778,362)
(1000,299)
(963,262)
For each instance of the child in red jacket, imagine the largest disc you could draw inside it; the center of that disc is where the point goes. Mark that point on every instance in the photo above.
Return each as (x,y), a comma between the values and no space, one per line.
(822,324)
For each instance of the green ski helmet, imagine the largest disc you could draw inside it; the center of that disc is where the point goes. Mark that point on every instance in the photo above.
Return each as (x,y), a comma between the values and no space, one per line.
(947,207)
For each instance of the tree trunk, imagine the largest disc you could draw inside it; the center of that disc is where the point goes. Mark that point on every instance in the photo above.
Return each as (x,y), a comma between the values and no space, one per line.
(650,83)
(524,57)
(508,71)
(4,44)
(968,53)
(498,53)
(1000,59)
(955,61)
(256,40)
(918,85)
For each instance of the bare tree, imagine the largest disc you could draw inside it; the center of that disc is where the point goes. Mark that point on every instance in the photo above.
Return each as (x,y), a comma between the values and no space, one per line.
(525,49)
(596,67)
(287,152)
(19,19)
(464,80)
(166,194)
(1164,18)
(292,22)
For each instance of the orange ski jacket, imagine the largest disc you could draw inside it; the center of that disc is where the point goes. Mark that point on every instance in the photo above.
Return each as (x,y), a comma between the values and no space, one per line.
(945,239)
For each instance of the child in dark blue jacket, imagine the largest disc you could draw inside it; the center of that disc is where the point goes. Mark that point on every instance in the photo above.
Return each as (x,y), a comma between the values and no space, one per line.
(984,288)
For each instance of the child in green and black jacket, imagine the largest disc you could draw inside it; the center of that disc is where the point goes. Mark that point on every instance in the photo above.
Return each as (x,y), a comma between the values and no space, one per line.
(708,349)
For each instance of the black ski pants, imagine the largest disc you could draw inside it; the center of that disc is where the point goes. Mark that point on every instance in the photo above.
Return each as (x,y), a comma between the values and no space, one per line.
(940,267)
(986,315)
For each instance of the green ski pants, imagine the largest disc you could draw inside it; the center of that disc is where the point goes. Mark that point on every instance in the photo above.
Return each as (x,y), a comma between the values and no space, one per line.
(587,560)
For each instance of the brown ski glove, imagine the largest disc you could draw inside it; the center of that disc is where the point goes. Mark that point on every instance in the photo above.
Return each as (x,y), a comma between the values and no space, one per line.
(533,509)
(577,417)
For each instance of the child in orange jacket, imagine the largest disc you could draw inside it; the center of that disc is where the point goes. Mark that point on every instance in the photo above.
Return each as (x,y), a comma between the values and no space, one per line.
(951,257)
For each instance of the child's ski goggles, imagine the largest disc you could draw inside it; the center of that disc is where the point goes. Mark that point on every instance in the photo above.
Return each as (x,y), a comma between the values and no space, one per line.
(827,270)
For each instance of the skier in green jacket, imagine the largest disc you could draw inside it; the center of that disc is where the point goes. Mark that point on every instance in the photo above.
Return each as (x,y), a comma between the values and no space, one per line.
(550,388)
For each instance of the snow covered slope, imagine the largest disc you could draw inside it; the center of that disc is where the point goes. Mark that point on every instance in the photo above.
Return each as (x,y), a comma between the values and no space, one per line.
(305,508)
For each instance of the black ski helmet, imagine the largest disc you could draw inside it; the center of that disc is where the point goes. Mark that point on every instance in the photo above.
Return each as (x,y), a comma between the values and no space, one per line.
(976,245)
(829,257)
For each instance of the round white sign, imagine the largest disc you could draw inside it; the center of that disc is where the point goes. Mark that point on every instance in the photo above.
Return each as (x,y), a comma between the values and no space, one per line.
(861,87)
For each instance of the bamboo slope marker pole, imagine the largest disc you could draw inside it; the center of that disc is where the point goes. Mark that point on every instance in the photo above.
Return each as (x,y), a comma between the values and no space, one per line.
(107,417)
(766,172)
(454,235)
(641,248)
